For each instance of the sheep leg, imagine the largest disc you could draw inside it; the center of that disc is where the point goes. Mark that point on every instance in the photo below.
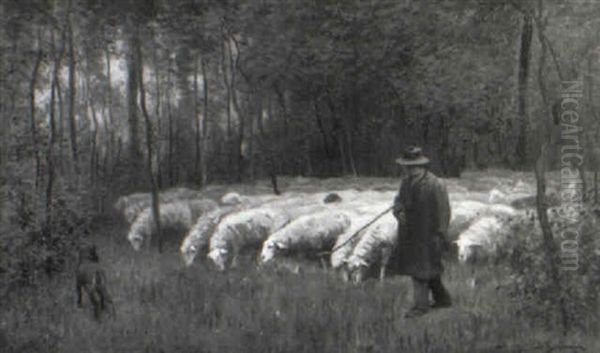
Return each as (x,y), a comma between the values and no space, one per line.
(385,258)
(382,272)
(323,263)
(234,259)
(345,273)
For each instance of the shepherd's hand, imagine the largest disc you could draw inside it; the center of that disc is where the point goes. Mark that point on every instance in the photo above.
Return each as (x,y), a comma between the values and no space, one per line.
(400,216)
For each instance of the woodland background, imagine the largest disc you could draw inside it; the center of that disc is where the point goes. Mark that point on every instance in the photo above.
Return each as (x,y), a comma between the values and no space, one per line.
(101,98)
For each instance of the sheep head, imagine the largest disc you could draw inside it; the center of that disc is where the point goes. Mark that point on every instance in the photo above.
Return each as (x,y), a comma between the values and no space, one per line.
(136,239)
(468,251)
(188,253)
(270,250)
(357,268)
(219,258)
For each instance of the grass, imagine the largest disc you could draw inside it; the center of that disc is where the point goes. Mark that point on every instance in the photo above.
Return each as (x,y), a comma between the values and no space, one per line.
(164,307)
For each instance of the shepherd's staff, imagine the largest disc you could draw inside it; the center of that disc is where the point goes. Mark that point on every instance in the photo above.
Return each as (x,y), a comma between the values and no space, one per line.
(355,234)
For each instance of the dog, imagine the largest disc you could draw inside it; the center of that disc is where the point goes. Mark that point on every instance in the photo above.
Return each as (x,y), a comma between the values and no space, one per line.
(91,279)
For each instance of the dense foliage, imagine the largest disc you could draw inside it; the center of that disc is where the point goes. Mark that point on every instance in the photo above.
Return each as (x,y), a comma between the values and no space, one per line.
(99,98)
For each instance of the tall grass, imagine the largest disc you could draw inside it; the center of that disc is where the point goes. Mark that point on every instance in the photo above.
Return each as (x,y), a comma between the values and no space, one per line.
(164,307)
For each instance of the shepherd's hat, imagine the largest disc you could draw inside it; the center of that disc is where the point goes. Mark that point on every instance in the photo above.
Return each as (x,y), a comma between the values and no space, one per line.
(412,156)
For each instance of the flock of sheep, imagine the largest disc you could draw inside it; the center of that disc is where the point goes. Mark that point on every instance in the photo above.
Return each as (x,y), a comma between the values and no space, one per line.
(315,225)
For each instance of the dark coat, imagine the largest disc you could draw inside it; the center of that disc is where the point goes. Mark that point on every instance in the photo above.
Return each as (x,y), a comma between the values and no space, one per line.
(424,237)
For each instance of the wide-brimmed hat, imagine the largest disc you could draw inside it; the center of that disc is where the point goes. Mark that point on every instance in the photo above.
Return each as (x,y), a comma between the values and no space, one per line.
(412,156)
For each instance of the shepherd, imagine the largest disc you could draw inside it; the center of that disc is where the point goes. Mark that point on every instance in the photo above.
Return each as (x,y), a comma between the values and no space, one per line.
(422,209)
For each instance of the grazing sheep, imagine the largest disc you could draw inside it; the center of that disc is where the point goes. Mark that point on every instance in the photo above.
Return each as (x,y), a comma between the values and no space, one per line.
(178,216)
(497,196)
(479,239)
(308,233)
(343,245)
(332,197)
(361,211)
(462,215)
(242,230)
(134,204)
(231,199)
(198,237)
(500,210)
(374,248)
(91,279)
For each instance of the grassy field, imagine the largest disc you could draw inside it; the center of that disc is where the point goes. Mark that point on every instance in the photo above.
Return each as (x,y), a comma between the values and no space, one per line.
(164,307)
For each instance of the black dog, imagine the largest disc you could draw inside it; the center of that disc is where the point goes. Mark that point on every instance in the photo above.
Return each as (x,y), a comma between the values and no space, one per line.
(91,278)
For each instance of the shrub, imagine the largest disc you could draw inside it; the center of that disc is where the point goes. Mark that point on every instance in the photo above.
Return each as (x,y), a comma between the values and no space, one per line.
(566,301)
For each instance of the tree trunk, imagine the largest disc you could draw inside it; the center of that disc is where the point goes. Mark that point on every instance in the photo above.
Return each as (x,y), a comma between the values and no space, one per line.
(524,59)
(197,124)
(157,113)
(109,124)
(227,83)
(236,107)
(94,159)
(135,154)
(321,128)
(72,93)
(541,202)
(251,152)
(203,151)
(266,142)
(149,147)
(170,127)
(32,110)
(51,137)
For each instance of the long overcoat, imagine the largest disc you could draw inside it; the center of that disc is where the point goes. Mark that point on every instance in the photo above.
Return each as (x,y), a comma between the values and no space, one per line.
(423,238)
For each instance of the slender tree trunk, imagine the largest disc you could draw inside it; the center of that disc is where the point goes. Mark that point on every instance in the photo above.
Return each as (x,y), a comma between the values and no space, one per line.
(251,152)
(524,59)
(197,124)
(109,124)
(236,107)
(203,149)
(321,128)
(94,158)
(135,154)
(340,134)
(348,133)
(272,159)
(157,113)
(149,147)
(541,202)
(228,99)
(51,135)
(72,92)
(170,128)
(32,110)
(60,164)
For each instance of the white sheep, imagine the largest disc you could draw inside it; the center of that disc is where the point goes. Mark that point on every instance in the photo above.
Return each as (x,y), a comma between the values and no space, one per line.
(361,211)
(374,248)
(462,214)
(308,233)
(497,196)
(242,230)
(232,198)
(344,244)
(479,239)
(178,215)
(199,235)
(134,204)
